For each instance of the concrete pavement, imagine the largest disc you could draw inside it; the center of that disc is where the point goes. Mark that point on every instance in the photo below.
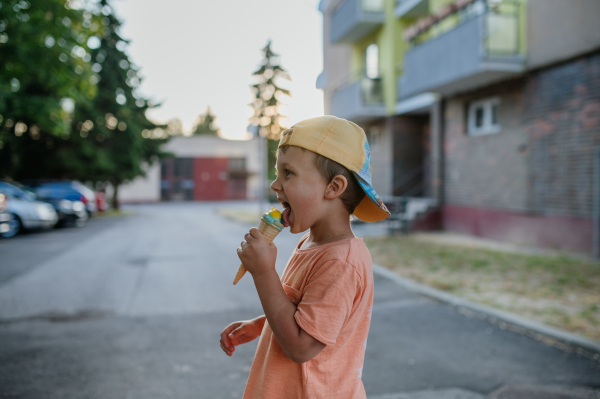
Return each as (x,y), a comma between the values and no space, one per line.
(134,309)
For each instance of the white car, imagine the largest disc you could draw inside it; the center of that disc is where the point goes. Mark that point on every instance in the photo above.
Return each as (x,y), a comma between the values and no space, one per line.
(25,212)
(4,216)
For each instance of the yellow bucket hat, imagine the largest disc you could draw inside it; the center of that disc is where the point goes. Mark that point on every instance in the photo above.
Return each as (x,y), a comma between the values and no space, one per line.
(346,143)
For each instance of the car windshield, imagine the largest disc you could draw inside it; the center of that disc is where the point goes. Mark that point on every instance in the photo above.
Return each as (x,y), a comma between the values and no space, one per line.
(73,186)
(14,191)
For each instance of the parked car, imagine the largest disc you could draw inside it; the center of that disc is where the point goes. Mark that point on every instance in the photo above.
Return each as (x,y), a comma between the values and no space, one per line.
(25,211)
(69,212)
(4,215)
(67,190)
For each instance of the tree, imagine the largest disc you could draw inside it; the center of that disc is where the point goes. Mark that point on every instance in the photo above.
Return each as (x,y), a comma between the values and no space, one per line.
(267,96)
(205,123)
(120,138)
(175,127)
(45,70)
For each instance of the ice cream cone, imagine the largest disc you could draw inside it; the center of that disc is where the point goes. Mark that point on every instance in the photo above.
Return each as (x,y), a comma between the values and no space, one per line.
(268,231)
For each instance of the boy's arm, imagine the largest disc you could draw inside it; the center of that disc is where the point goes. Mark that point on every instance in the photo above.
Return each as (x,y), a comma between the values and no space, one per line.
(240,332)
(260,321)
(279,311)
(259,257)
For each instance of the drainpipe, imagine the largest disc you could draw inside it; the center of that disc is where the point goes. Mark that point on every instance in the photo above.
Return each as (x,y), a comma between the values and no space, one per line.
(438,156)
(596,196)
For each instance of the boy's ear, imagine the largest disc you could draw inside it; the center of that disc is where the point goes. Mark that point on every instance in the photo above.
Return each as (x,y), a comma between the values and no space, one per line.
(336,188)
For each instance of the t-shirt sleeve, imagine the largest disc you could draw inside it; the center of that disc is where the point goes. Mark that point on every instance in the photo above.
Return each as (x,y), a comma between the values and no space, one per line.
(328,300)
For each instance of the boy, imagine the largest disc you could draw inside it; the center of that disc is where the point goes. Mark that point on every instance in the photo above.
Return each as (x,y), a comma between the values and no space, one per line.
(313,334)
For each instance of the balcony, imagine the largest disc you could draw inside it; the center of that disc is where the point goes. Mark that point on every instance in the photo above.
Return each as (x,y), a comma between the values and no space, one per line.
(355,19)
(359,101)
(411,8)
(467,49)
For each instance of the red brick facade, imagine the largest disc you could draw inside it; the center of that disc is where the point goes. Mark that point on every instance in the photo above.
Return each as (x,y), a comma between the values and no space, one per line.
(535,175)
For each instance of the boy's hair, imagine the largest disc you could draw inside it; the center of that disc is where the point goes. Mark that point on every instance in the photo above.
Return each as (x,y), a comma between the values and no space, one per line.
(329,169)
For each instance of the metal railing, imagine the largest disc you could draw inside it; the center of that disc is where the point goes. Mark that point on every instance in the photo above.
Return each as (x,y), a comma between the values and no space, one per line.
(410,183)
(501,25)
(371,90)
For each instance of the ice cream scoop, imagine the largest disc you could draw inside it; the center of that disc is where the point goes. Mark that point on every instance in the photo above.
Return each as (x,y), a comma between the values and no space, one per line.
(270,225)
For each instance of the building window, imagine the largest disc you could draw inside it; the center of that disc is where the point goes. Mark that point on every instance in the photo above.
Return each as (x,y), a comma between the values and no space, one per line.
(183,167)
(373,137)
(372,61)
(237,164)
(164,168)
(483,117)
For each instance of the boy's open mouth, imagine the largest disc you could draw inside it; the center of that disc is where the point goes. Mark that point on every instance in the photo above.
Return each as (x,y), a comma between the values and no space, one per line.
(285,216)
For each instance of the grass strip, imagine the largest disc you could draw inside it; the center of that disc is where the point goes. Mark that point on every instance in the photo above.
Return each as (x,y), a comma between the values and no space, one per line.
(557,290)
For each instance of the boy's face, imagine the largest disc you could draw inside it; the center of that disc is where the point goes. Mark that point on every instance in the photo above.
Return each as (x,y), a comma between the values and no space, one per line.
(301,187)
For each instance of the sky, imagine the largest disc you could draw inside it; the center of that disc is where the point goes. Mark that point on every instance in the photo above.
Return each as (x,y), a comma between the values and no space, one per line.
(198,53)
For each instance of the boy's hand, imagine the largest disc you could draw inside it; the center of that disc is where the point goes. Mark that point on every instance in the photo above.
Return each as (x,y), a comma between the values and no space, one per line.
(256,254)
(238,333)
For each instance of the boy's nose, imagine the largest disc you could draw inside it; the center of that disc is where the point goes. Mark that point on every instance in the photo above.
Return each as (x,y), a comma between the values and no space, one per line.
(275,186)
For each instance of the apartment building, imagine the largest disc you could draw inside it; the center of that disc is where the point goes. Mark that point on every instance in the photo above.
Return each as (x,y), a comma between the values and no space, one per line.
(490,108)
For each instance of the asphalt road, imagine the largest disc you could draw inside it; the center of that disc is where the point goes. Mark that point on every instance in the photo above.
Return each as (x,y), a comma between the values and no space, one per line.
(132,307)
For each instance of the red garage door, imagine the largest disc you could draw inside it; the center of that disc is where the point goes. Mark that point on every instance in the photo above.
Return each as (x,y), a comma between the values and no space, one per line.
(210,176)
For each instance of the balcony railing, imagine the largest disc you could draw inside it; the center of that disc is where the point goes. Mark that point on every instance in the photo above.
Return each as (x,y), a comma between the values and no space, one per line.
(355,19)
(474,46)
(360,100)
(502,22)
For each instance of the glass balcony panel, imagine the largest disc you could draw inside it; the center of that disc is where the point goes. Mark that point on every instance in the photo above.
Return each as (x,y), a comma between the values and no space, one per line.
(472,47)
(360,100)
(502,35)
(372,91)
(411,8)
(355,19)
(372,5)
(450,22)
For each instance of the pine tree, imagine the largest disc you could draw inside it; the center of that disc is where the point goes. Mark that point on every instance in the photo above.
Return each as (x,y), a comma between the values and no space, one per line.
(205,123)
(267,96)
(175,127)
(119,138)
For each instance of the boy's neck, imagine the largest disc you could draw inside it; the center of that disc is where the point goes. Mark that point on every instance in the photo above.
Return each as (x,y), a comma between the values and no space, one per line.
(328,231)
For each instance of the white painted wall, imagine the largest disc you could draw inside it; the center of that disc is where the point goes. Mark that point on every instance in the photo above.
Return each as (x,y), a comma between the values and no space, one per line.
(142,189)
(558,30)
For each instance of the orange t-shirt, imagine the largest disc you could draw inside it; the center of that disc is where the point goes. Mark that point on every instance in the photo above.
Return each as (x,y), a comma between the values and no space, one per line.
(332,286)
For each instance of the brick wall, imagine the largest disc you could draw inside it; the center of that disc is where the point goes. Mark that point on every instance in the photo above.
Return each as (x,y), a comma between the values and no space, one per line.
(540,162)
(562,115)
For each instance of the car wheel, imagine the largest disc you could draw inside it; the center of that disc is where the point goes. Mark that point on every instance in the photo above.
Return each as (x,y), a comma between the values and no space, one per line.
(14,226)
(80,222)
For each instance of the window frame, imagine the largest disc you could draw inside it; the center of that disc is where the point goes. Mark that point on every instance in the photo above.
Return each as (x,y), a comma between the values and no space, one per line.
(488,126)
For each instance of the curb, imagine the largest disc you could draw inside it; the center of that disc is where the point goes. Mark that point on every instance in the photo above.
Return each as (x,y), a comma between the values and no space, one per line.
(555,333)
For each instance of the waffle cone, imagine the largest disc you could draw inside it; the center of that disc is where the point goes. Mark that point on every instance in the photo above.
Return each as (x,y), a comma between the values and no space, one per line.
(269,232)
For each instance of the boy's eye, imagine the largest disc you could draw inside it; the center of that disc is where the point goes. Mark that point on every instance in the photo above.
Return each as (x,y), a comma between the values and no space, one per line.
(287,172)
